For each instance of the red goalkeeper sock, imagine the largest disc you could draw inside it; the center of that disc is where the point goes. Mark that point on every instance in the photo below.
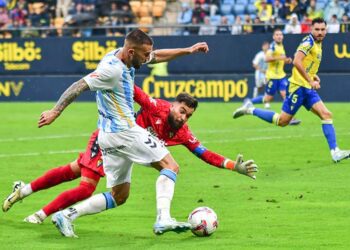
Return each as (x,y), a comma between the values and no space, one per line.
(70,197)
(53,177)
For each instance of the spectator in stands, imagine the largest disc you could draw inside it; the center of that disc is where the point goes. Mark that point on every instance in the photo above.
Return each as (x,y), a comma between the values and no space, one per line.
(345,25)
(306,24)
(333,8)
(333,26)
(194,30)
(207,28)
(247,27)
(293,26)
(224,27)
(4,17)
(279,11)
(198,12)
(214,5)
(258,26)
(185,15)
(237,26)
(264,10)
(346,6)
(273,25)
(19,14)
(312,12)
(62,8)
(29,32)
(40,18)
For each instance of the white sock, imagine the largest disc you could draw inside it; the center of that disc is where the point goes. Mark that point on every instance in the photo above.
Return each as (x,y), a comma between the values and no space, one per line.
(26,190)
(41,214)
(250,110)
(165,192)
(95,204)
(255,92)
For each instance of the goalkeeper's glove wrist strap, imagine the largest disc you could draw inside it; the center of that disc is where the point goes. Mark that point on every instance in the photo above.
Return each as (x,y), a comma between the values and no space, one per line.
(229,164)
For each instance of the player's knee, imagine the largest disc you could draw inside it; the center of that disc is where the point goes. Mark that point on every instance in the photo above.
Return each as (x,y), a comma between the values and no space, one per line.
(326,115)
(283,122)
(120,198)
(174,167)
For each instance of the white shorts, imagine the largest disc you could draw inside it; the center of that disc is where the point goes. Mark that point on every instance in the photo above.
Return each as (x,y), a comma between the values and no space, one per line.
(121,150)
(260,80)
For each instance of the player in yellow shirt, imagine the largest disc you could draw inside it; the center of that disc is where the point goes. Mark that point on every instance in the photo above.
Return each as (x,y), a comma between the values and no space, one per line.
(302,90)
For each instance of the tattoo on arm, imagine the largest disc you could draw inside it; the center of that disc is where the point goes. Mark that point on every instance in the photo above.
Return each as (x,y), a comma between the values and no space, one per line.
(70,95)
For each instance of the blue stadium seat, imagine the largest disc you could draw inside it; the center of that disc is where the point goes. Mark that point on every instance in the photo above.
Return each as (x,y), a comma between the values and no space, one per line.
(245,2)
(215,20)
(320,5)
(322,1)
(230,2)
(251,9)
(230,19)
(226,9)
(252,16)
(239,9)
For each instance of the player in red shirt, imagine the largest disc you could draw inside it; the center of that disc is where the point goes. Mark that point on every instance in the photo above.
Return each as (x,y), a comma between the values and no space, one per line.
(161,118)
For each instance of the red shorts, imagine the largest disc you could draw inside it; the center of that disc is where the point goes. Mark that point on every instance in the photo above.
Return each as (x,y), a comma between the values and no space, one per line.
(91,158)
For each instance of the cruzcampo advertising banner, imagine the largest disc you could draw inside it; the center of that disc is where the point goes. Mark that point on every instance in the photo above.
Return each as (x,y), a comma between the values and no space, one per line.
(218,88)
(228,54)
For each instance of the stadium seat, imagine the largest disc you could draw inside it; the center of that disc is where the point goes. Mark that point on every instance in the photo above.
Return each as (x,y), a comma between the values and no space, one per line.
(252,16)
(215,20)
(320,5)
(226,9)
(135,6)
(239,9)
(230,19)
(157,11)
(144,11)
(230,2)
(146,20)
(244,2)
(251,9)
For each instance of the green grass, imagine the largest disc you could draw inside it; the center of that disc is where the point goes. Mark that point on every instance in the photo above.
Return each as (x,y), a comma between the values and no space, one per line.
(300,199)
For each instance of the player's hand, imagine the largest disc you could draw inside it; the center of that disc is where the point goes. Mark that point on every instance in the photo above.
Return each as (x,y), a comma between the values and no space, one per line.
(199,47)
(315,84)
(47,117)
(247,168)
(316,78)
(288,60)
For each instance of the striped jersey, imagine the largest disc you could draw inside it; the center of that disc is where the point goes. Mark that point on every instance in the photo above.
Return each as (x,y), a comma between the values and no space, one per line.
(113,82)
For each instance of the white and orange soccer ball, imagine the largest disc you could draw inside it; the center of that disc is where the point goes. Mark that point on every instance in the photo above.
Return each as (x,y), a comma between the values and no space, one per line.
(204,221)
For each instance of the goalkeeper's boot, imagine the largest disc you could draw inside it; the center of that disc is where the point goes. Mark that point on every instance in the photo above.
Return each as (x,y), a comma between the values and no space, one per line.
(34,219)
(64,225)
(163,226)
(14,196)
(244,110)
(338,155)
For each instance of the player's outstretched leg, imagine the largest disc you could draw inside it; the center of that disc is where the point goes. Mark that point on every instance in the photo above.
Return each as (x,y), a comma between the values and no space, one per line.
(165,190)
(14,197)
(64,225)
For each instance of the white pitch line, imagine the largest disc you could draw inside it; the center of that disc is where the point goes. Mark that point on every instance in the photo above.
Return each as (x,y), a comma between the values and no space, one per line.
(42,153)
(37,138)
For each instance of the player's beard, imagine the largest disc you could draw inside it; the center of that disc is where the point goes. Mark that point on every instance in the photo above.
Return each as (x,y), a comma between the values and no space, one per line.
(173,123)
(136,63)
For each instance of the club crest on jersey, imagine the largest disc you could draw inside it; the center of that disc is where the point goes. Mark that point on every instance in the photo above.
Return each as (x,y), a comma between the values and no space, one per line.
(99,163)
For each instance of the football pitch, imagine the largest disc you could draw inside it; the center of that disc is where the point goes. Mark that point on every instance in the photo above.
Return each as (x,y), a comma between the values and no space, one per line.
(300,199)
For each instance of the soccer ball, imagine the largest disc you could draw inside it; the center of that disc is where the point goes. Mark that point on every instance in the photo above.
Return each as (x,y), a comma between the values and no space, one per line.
(204,221)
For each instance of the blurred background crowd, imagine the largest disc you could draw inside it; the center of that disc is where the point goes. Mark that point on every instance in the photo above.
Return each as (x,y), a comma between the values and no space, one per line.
(86,18)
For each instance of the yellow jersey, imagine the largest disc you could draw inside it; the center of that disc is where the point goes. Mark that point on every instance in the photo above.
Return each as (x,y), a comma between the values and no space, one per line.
(275,69)
(311,62)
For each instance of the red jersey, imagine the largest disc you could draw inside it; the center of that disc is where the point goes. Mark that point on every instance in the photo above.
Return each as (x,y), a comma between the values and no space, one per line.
(153,116)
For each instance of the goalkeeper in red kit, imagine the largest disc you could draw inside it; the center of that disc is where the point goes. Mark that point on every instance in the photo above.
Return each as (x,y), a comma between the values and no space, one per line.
(162,119)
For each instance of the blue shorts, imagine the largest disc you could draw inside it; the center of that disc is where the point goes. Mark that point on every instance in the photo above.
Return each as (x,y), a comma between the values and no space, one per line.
(276,84)
(301,97)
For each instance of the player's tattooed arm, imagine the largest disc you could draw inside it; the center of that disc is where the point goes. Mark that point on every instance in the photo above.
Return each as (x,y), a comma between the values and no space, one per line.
(49,116)
(70,95)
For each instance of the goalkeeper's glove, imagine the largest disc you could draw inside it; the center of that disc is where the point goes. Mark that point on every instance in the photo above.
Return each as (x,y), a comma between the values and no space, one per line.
(247,168)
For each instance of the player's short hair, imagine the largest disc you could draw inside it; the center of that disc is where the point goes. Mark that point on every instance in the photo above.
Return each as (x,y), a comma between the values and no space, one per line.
(138,37)
(189,100)
(265,42)
(275,30)
(318,20)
